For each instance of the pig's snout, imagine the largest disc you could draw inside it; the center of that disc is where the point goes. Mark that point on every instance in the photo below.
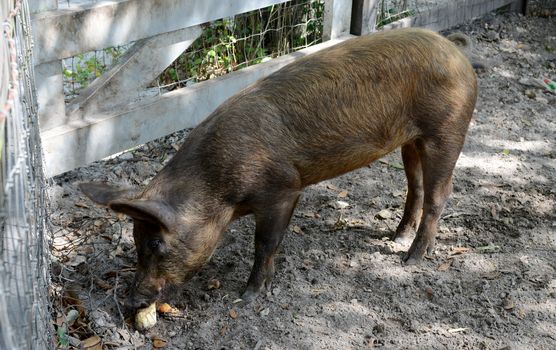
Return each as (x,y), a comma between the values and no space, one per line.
(144,292)
(141,300)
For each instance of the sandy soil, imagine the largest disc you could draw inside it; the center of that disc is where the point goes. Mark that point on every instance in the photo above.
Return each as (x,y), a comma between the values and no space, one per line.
(491,283)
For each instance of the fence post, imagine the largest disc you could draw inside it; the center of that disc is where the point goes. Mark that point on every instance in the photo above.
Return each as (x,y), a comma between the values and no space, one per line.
(363,17)
(140,65)
(50,94)
(42,5)
(49,79)
(337,18)
(520,6)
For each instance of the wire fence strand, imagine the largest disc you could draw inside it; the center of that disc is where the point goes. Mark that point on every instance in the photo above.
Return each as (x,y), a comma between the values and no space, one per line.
(24,305)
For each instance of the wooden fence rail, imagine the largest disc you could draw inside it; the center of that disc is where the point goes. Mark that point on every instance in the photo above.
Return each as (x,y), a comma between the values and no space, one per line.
(106,118)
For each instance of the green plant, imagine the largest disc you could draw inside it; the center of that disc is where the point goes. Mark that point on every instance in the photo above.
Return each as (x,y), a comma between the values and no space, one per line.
(391,11)
(86,67)
(225,45)
(233,43)
(85,70)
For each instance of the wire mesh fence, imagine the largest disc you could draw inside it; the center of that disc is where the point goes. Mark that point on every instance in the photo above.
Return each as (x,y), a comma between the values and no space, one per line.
(237,42)
(389,11)
(226,45)
(24,278)
(81,70)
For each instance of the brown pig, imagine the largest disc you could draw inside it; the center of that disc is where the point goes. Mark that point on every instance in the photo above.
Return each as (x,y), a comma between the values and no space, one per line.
(322,116)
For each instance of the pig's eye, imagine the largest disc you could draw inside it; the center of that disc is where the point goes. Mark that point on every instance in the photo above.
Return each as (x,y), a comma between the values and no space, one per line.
(154,244)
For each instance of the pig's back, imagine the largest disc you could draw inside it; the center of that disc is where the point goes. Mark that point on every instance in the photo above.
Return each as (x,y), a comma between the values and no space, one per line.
(345,106)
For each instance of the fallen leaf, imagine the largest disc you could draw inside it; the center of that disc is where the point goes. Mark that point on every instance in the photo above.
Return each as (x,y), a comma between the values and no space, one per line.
(459,250)
(396,165)
(489,248)
(81,205)
(117,252)
(457,330)
(297,229)
(398,194)
(384,214)
(106,237)
(233,313)
(75,342)
(124,333)
(213,283)
(88,250)
(445,266)
(265,312)
(102,284)
(341,204)
(92,343)
(71,299)
(71,317)
(77,260)
(430,292)
(343,194)
(506,152)
(509,304)
(60,319)
(494,211)
(159,342)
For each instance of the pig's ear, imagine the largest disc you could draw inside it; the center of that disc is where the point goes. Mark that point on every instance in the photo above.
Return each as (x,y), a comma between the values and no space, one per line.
(103,194)
(153,211)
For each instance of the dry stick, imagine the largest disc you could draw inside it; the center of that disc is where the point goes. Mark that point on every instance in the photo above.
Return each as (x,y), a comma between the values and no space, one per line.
(245,42)
(293,27)
(496,317)
(114,294)
(306,26)
(279,18)
(261,37)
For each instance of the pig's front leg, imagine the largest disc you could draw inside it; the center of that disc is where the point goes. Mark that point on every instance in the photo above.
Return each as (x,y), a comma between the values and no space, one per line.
(271,223)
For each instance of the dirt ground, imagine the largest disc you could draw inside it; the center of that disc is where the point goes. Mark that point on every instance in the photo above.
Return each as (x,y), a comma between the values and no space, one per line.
(490,284)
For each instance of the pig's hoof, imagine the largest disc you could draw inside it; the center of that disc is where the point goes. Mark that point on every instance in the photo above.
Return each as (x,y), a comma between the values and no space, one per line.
(417,252)
(403,240)
(410,260)
(404,235)
(248,297)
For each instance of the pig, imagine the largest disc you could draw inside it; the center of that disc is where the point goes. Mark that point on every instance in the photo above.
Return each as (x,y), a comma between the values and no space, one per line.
(321,116)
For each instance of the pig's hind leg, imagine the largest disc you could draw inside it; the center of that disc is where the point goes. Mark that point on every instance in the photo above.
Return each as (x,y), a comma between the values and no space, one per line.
(414,200)
(438,157)
(272,220)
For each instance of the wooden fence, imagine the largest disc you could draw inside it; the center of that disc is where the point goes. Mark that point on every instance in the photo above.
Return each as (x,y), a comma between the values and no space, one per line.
(106,117)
